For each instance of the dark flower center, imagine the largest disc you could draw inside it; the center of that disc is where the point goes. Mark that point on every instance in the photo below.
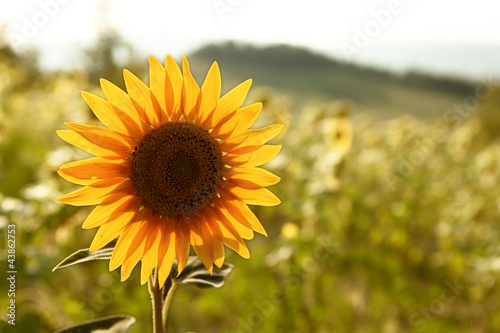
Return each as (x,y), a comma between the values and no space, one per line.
(177,169)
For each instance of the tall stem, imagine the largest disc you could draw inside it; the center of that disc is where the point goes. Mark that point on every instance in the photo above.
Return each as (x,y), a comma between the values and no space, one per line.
(170,287)
(156,299)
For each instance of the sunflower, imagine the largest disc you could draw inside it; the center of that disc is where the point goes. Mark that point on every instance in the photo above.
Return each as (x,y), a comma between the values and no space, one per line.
(175,167)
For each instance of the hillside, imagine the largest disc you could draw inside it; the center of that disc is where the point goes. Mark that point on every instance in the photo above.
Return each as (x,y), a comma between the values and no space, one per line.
(308,76)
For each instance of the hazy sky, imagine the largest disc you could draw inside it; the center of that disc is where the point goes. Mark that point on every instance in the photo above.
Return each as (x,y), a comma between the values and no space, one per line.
(347,29)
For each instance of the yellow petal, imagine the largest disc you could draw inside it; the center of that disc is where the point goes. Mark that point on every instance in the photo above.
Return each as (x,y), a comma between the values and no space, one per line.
(210,93)
(173,85)
(202,244)
(132,258)
(262,196)
(181,245)
(255,158)
(136,249)
(218,248)
(258,136)
(90,170)
(141,98)
(237,122)
(232,223)
(94,193)
(123,105)
(190,93)
(229,237)
(244,215)
(77,140)
(243,150)
(118,204)
(219,255)
(226,146)
(105,112)
(252,175)
(104,138)
(129,264)
(112,230)
(157,85)
(166,250)
(150,256)
(237,223)
(230,102)
(123,244)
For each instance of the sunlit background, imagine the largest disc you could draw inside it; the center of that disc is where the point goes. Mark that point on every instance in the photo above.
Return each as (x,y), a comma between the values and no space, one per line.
(454,37)
(390,209)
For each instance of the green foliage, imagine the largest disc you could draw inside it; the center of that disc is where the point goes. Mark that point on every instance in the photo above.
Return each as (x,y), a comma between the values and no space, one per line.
(83,255)
(489,113)
(107,58)
(111,324)
(196,274)
(398,233)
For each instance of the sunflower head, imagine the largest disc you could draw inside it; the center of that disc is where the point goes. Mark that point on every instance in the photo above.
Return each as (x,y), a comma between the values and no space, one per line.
(175,167)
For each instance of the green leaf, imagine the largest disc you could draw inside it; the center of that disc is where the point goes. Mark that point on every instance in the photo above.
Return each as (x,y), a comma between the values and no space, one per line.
(84,255)
(111,324)
(195,273)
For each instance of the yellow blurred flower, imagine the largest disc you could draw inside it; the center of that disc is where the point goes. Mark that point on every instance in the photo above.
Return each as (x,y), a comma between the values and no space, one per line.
(339,131)
(290,230)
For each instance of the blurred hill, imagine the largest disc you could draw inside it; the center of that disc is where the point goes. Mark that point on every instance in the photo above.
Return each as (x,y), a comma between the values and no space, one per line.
(456,59)
(309,76)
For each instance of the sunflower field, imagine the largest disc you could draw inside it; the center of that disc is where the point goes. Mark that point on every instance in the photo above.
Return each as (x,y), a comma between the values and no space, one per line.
(385,225)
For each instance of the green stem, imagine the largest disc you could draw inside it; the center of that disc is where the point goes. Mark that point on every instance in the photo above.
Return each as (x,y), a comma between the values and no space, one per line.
(156,299)
(170,287)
